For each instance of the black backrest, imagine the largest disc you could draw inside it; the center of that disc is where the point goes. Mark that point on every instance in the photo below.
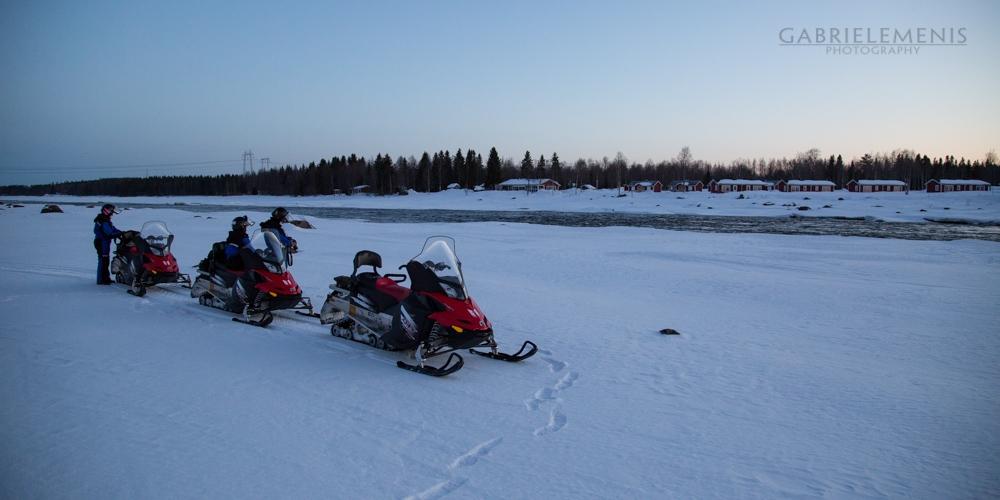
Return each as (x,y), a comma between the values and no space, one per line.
(218,252)
(367,258)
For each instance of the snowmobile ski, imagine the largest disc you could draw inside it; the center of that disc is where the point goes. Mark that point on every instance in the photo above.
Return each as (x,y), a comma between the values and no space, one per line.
(447,368)
(520,355)
(265,320)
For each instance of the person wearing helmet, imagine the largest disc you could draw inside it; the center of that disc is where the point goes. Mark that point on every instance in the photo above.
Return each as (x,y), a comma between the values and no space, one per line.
(236,240)
(104,232)
(278,217)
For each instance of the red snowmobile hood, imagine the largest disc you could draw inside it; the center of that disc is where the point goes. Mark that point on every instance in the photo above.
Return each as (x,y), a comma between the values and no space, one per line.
(277,284)
(160,264)
(464,314)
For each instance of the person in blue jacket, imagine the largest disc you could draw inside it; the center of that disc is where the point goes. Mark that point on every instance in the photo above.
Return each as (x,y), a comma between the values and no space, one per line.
(236,240)
(278,217)
(104,232)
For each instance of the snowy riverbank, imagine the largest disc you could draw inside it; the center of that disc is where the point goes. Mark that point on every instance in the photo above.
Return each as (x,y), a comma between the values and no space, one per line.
(807,367)
(912,207)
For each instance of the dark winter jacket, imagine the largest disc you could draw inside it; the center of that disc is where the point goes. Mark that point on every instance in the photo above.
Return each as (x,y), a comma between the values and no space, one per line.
(104,232)
(235,241)
(274,226)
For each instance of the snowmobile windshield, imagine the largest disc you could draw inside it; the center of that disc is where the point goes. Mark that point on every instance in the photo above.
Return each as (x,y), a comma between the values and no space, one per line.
(267,246)
(438,256)
(157,237)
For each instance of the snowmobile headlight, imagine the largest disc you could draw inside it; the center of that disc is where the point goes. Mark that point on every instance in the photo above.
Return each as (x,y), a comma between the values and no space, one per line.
(457,329)
(272,294)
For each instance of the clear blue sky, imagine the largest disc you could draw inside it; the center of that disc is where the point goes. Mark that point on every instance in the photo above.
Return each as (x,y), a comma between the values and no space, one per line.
(93,84)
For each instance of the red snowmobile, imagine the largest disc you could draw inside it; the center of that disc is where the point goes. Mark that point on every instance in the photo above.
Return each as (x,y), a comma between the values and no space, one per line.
(435,316)
(253,285)
(143,259)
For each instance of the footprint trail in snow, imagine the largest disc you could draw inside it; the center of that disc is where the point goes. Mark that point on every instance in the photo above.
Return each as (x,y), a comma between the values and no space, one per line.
(466,459)
(557,419)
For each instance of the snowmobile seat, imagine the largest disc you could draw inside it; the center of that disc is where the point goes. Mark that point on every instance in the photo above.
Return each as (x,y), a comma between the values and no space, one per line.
(381,291)
(388,286)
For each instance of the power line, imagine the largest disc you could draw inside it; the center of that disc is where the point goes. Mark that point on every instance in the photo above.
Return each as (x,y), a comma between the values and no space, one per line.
(84,168)
(247,158)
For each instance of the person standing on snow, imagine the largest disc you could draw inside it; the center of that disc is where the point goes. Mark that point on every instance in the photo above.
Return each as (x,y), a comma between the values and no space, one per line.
(104,232)
(236,240)
(278,217)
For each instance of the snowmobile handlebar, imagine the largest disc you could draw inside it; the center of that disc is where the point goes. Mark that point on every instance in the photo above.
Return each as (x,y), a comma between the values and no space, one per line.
(402,277)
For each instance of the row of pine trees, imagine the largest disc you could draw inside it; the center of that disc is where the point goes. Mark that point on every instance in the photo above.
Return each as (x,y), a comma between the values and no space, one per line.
(437,171)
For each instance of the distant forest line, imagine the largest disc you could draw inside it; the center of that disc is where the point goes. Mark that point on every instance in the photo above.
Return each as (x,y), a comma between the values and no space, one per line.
(435,172)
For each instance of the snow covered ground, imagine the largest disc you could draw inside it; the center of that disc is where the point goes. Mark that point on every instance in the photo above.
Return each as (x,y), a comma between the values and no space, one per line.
(976,206)
(807,367)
